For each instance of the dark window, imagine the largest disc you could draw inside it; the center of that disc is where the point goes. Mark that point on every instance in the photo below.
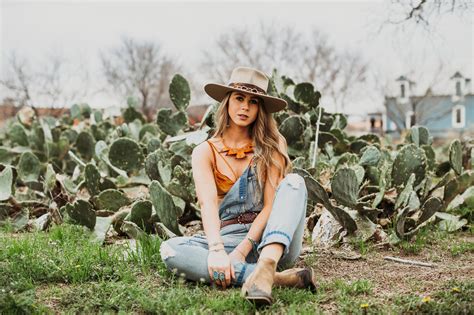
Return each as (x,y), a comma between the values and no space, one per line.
(458,116)
(458,88)
(412,120)
(402,87)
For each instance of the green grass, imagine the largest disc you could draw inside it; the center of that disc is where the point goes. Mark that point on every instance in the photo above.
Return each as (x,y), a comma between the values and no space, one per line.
(428,235)
(461,248)
(63,271)
(453,298)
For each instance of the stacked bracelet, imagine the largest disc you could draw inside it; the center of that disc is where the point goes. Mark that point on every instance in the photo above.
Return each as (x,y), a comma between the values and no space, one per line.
(253,242)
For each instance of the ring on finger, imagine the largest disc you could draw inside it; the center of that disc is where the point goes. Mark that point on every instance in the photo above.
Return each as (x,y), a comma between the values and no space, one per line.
(215,275)
(222,276)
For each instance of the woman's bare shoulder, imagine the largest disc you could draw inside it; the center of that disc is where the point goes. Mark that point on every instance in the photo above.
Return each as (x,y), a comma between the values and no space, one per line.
(202,152)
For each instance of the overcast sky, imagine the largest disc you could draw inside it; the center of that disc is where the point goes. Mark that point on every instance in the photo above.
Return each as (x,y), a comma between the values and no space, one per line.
(80,29)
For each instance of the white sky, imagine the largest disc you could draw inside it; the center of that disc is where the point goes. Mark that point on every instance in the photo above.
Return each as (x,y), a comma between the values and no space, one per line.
(80,29)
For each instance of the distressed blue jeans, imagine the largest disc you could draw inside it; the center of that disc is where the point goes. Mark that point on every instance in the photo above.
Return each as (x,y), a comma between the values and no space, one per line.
(187,256)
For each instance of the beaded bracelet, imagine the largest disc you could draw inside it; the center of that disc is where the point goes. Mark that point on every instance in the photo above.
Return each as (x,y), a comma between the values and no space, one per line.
(253,242)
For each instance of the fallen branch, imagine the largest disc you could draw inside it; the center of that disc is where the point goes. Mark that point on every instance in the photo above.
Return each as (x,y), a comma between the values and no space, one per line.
(409,262)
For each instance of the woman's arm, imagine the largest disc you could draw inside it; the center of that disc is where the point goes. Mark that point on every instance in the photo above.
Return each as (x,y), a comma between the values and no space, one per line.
(217,260)
(206,192)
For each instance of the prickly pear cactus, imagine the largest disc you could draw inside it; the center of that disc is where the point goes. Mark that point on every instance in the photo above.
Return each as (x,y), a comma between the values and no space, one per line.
(344,186)
(126,154)
(305,94)
(410,159)
(164,207)
(171,123)
(17,135)
(85,144)
(455,156)
(457,186)
(130,114)
(80,212)
(292,129)
(370,156)
(92,179)
(29,167)
(148,128)
(180,93)
(317,193)
(6,183)
(429,208)
(151,166)
(111,199)
(141,214)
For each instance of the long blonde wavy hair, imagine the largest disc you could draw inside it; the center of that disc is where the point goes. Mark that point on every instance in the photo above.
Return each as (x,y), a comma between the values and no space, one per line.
(264,133)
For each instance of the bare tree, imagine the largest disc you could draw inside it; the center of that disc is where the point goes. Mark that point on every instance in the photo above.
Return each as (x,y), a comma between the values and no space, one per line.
(305,57)
(52,82)
(140,67)
(19,79)
(424,11)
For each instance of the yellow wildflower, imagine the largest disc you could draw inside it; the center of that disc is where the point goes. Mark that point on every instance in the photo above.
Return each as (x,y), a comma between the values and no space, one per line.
(426,299)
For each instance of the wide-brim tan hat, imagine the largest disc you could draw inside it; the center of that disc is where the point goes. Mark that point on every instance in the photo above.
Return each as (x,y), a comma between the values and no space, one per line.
(249,81)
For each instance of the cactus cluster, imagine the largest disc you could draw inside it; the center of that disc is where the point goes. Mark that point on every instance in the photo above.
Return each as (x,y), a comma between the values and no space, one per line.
(98,171)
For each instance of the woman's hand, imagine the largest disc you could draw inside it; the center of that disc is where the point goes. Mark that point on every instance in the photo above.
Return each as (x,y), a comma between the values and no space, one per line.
(219,261)
(236,255)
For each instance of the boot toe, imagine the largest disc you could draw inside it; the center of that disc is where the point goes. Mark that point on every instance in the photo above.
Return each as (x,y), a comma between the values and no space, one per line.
(258,296)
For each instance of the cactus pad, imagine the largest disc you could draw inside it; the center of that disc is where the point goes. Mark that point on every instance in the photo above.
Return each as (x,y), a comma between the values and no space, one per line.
(80,212)
(410,159)
(344,186)
(370,156)
(111,199)
(92,179)
(17,135)
(171,123)
(29,167)
(455,156)
(141,214)
(6,183)
(164,206)
(180,93)
(85,144)
(292,129)
(126,154)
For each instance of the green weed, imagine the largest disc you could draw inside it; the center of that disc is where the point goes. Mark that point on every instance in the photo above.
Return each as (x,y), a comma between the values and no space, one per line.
(461,248)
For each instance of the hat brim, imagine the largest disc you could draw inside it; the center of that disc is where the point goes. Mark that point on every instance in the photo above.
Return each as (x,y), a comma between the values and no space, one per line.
(219,91)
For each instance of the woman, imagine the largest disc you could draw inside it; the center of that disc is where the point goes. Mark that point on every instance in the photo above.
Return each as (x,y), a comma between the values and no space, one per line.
(253,210)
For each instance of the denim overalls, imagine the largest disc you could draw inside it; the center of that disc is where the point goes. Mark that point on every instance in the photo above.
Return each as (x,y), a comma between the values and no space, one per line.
(187,256)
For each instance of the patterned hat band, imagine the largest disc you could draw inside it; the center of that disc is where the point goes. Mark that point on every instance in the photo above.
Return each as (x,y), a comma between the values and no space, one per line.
(248,88)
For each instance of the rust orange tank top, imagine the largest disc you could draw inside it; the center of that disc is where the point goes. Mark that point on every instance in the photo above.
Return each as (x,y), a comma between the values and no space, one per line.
(223,183)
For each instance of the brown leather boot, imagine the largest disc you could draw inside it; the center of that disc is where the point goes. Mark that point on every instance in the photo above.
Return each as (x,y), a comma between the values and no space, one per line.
(301,278)
(258,286)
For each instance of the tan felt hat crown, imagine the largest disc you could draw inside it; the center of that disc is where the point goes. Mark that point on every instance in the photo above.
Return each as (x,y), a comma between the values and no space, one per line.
(249,81)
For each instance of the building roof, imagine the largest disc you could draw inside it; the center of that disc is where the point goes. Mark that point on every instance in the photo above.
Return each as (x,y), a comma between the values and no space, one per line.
(457,75)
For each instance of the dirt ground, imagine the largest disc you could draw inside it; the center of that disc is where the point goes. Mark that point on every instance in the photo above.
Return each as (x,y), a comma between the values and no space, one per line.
(391,279)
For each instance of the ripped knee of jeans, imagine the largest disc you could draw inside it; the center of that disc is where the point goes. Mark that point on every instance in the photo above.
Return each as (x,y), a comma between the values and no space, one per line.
(166,251)
(295,180)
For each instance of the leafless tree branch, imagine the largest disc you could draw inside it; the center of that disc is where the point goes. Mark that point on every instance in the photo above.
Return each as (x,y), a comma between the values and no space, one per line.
(307,57)
(140,68)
